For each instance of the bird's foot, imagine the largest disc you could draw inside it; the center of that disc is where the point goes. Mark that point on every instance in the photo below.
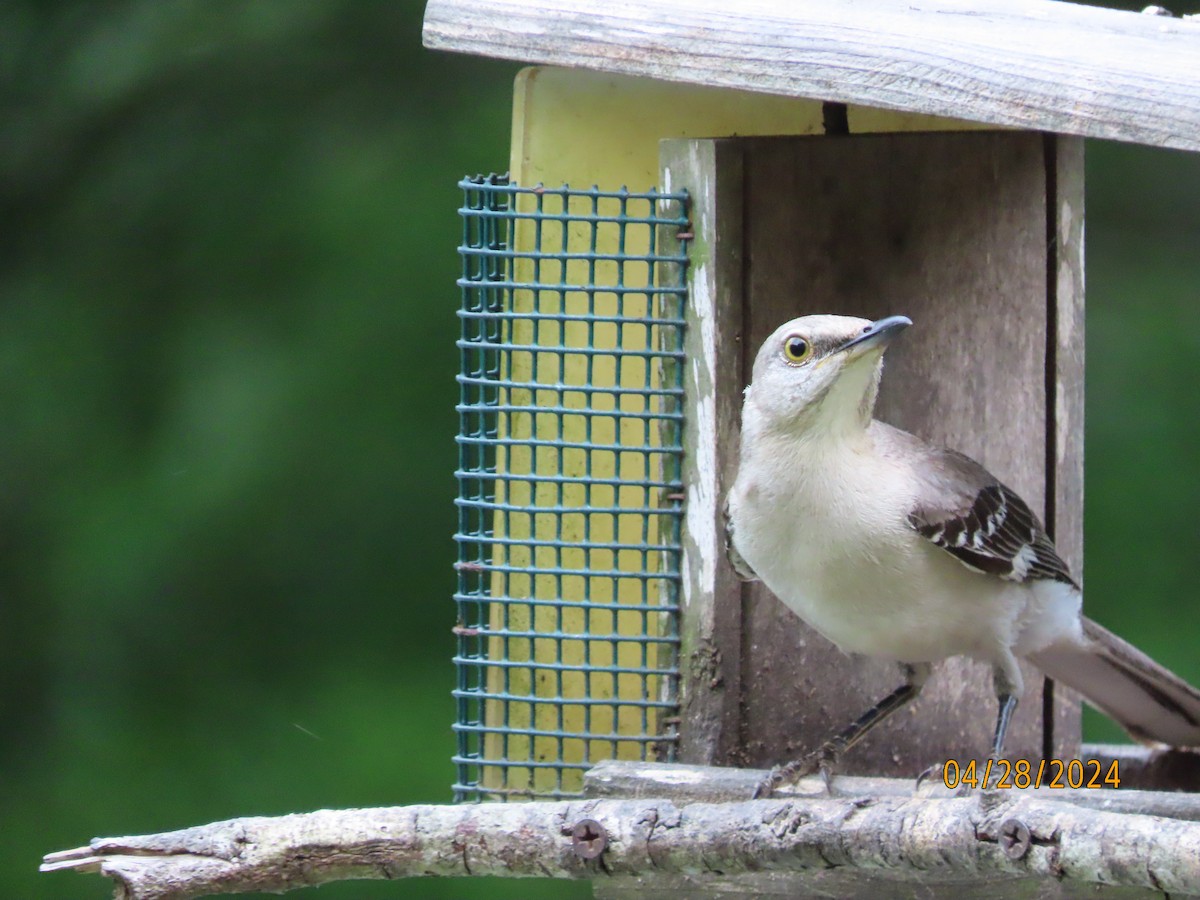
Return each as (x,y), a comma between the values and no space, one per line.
(937,772)
(824,759)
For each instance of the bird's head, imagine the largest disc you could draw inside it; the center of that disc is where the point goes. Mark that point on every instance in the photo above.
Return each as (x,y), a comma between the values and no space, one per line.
(821,371)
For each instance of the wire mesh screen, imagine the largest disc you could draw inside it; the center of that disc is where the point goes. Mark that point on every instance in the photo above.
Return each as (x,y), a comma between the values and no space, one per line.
(569,500)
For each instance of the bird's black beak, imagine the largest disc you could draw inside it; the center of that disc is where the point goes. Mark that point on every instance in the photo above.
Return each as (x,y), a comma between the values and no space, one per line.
(878,334)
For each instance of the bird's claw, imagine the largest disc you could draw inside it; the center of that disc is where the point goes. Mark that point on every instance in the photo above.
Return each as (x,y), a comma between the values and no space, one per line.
(766,787)
(824,759)
(937,769)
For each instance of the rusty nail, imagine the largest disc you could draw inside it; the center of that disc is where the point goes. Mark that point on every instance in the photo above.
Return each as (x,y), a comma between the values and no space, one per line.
(1015,839)
(588,839)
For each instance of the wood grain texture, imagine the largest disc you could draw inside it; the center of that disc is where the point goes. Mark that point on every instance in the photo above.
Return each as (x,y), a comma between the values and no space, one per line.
(949,229)
(1032,64)
(710,646)
(892,847)
(679,783)
(684,784)
(1065,382)
(1145,769)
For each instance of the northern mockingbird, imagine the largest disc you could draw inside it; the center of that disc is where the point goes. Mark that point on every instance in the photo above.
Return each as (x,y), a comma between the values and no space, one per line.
(893,548)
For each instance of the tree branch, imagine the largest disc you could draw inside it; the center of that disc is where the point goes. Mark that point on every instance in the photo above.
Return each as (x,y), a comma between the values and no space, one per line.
(887,838)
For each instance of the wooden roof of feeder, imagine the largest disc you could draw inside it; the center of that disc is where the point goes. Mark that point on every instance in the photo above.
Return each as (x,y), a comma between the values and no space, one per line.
(1032,64)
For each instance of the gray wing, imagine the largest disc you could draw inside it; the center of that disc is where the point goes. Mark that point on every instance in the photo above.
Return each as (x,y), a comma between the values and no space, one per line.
(740,566)
(984,524)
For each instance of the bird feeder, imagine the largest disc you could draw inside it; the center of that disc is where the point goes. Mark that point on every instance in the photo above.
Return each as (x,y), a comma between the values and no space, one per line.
(729,168)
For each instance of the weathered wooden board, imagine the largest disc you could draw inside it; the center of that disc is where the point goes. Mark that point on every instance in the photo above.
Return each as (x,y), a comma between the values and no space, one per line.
(1065,376)
(950,229)
(710,692)
(682,783)
(1033,64)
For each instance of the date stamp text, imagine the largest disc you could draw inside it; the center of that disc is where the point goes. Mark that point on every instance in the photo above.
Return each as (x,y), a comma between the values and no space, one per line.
(1024,773)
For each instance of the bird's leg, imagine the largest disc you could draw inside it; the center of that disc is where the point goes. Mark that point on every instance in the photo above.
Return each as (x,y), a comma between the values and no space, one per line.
(1008,705)
(825,758)
(1008,684)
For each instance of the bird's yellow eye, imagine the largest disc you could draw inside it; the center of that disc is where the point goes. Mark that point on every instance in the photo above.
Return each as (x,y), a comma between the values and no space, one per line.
(796,349)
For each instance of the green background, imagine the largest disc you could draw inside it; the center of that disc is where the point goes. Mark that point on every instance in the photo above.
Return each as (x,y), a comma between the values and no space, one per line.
(227,415)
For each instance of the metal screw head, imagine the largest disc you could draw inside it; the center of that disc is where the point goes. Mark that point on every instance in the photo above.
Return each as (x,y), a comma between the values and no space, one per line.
(588,838)
(1015,839)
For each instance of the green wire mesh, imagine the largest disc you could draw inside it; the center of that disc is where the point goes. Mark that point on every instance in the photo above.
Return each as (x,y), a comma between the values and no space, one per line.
(569,505)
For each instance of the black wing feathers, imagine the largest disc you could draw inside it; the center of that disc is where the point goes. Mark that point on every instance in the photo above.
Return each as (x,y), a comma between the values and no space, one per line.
(997,534)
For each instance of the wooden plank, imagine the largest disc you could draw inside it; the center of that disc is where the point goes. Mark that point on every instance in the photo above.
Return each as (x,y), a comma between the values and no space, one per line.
(1065,383)
(949,229)
(710,645)
(1064,234)
(1034,64)
(1147,769)
(679,783)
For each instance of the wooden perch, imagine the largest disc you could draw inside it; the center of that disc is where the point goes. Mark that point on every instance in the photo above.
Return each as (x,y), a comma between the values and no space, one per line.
(709,784)
(917,840)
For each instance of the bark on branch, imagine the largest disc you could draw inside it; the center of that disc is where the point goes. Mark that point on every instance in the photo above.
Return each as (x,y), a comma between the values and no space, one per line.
(889,838)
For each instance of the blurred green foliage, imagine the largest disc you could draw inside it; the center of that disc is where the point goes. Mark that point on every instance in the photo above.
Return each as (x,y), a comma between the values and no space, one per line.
(1142,482)
(226,343)
(226,496)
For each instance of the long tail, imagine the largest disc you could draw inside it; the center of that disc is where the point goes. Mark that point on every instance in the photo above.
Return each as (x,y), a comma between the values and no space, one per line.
(1150,702)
